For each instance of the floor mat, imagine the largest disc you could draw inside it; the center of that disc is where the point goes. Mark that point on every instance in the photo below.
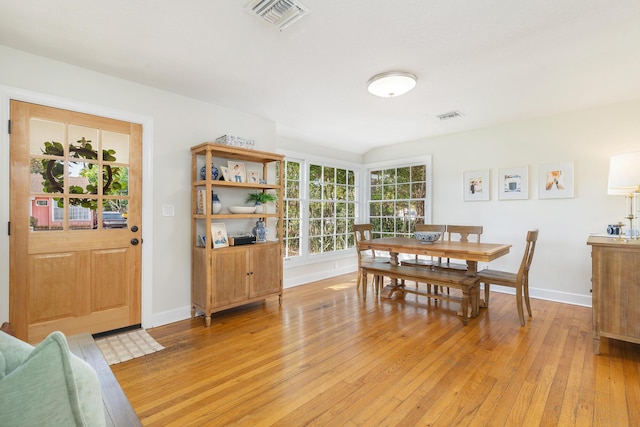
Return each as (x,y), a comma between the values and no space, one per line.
(127,346)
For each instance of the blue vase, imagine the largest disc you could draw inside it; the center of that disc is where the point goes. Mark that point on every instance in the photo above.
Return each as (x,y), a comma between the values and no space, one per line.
(260,231)
(216,204)
(215,173)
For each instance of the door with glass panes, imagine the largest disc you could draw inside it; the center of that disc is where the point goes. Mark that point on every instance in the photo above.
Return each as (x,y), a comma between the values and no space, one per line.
(75,230)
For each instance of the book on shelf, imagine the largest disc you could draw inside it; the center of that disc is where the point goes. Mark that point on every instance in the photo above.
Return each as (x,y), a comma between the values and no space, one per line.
(201,201)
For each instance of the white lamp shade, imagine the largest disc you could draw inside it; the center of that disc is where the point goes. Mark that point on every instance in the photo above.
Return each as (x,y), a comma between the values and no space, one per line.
(393,83)
(624,173)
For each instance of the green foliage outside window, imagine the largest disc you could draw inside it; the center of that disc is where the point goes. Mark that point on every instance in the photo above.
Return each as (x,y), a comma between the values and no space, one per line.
(292,211)
(397,200)
(114,180)
(331,208)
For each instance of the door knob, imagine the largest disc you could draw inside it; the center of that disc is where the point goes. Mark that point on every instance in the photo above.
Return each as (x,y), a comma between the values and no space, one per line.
(134,228)
(134,241)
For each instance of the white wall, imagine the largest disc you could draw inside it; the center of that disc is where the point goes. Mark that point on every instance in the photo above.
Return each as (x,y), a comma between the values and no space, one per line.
(178,123)
(561,267)
(562,264)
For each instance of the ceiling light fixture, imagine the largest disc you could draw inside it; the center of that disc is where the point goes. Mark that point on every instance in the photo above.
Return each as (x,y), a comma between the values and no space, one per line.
(392,83)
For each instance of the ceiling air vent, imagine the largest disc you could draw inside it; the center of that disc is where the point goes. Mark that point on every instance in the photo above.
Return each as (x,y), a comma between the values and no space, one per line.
(279,13)
(450,115)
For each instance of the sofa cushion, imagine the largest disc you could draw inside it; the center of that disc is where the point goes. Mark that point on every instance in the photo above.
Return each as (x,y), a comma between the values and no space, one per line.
(3,367)
(15,351)
(51,387)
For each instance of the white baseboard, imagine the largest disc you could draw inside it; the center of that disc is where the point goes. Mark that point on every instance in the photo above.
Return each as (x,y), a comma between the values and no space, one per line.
(166,317)
(183,313)
(545,294)
(313,277)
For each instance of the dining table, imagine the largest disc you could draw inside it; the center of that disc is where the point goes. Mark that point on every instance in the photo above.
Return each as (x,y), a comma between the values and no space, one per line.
(471,252)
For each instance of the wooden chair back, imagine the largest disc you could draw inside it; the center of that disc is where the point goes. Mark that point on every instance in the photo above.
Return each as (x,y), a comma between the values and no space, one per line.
(362,232)
(527,258)
(365,232)
(431,227)
(519,280)
(464,231)
(442,228)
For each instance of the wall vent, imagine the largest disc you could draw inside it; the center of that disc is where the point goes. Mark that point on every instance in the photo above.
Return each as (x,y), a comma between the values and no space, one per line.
(279,13)
(450,115)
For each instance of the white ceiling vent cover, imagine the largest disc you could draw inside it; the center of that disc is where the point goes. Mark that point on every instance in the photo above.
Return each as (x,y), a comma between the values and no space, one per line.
(450,115)
(279,13)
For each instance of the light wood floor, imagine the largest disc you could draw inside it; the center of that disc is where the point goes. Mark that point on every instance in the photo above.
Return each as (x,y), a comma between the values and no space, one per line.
(327,357)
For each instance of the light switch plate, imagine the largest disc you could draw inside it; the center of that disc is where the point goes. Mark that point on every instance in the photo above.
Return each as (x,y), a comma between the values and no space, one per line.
(168,210)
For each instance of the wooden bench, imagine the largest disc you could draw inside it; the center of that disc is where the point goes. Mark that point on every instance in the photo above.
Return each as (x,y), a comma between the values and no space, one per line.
(117,408)
(469,285)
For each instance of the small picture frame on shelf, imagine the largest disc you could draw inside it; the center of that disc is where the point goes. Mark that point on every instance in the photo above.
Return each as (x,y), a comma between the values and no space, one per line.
(253,177)
(219,235)
(203,240)
(237,171)
(226,175)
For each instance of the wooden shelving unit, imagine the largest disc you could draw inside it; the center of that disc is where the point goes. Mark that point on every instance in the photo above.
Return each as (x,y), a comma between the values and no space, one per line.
(227,277)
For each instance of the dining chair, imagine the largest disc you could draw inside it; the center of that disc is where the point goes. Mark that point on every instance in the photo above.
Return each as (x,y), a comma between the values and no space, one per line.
(460,233)
(417,261)
(364,232)
(519,280)
(424,262)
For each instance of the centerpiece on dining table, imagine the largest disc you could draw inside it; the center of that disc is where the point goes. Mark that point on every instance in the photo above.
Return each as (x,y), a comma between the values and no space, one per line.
(427,236)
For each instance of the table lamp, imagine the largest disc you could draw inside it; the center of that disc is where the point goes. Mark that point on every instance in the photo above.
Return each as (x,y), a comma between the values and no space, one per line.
(624,179)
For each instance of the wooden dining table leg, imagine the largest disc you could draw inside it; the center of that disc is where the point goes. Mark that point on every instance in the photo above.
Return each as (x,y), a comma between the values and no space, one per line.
(472,270)
(388,291)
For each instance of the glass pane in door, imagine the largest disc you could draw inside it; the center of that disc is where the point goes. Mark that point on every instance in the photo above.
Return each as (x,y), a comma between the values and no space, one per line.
(117,145)
(41,131)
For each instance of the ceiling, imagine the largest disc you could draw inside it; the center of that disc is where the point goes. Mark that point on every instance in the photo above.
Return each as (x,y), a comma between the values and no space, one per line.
(495,61)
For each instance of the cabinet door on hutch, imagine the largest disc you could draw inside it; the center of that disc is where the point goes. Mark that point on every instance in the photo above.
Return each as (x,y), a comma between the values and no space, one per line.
(265,266)
(229,276)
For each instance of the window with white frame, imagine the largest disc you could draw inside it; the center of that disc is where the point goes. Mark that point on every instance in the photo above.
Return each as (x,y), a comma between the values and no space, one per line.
(321,204)
(76,213)
(398,199)
(332,208)
(292,208)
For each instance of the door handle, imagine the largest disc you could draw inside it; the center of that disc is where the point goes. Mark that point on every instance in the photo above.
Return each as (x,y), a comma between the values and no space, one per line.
(134,228)
(134,241)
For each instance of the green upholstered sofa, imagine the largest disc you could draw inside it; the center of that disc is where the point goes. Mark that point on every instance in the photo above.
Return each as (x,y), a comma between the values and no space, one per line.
(46,385)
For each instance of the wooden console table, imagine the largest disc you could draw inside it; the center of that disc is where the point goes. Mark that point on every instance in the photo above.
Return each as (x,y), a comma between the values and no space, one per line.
(616,289)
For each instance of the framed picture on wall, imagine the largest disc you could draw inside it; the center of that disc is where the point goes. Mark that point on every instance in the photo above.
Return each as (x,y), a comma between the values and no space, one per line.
(513,183)
(476,185)
(556,181)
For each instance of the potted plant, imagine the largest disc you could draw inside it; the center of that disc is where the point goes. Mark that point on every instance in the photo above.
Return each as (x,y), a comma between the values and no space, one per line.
(259,198)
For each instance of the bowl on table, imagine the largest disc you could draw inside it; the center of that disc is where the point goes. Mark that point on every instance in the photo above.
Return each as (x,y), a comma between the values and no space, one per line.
(242,209)
(427,236)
